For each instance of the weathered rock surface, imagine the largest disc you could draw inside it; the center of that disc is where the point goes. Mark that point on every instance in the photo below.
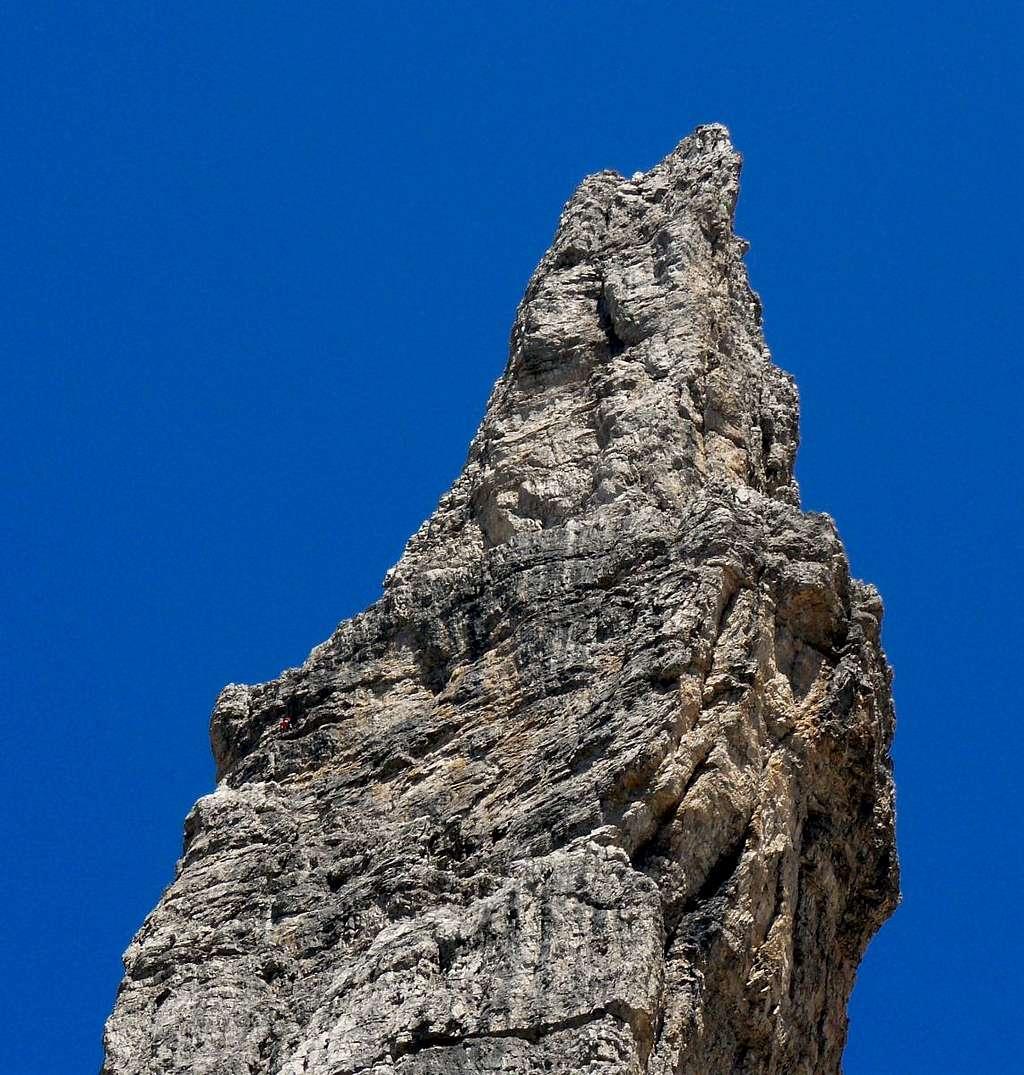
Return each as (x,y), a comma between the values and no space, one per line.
(602,782)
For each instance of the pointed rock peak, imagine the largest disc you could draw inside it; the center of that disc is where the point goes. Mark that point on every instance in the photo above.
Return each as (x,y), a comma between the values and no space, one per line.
(637,372)
(703,165)
(602,782)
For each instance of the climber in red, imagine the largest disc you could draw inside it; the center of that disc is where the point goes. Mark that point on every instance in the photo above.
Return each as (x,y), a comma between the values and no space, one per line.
(286,723)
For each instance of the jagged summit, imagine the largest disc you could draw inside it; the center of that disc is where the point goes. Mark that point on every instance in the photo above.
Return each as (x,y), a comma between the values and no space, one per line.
(639,339)
(601,783)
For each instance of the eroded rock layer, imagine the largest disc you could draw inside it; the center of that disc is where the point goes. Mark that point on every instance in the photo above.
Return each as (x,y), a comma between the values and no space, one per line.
(602,782)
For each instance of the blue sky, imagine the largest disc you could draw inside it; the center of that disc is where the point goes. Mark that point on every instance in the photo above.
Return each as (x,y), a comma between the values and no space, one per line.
(259,265)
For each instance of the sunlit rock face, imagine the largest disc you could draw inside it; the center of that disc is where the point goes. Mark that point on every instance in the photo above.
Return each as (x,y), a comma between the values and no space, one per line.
(602,782)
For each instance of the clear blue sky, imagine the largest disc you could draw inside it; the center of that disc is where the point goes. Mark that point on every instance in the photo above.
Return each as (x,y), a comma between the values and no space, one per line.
(259,265)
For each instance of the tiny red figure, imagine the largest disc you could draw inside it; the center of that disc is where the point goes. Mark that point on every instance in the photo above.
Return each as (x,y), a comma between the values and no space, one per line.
(286,722)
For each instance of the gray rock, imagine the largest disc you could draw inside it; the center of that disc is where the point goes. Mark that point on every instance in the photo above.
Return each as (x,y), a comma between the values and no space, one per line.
(602,782)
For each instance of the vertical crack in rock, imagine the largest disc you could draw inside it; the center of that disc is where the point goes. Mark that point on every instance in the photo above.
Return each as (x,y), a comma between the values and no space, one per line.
(602,782)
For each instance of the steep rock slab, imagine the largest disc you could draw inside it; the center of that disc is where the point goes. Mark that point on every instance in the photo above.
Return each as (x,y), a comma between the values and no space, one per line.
(602,782)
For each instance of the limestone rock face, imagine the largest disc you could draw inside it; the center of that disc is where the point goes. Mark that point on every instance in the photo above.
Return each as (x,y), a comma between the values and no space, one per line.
(602,782)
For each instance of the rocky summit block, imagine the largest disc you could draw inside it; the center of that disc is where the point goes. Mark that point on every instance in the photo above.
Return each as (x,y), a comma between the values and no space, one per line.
(602,782)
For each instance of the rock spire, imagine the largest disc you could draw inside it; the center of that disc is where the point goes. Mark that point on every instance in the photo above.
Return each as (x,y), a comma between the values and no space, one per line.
(602,782)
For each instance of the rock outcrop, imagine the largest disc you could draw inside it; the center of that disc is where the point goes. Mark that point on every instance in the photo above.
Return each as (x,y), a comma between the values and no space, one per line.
(602,782)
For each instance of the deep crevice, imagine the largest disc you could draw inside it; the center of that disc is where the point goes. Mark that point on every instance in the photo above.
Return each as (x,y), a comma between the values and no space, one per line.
(422,1038)
(615,343)
(699,919)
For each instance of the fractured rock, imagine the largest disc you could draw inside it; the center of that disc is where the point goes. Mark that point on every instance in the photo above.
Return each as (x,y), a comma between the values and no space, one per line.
(602,782)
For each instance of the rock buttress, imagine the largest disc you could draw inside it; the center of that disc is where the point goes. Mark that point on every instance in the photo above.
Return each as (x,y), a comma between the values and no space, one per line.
(602,782)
